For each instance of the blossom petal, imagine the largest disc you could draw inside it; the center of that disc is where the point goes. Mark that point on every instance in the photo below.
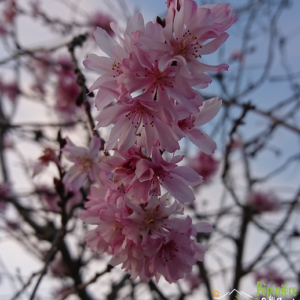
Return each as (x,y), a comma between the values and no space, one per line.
(135,23)
(127,138)
(204,227)
(199,251)
(97,63)
(214,45)
(165,136)
(202,141)
(95,145)
(144,170)
(104,41)
(187,175)
(178,189)
(109,115)
(208,111)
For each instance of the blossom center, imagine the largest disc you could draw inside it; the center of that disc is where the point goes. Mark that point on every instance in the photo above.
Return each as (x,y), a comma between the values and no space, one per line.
(140,116)
(169,251)
(116,69)
(117,227)
(188,46)
(160,79)
(84,164)
(187,123)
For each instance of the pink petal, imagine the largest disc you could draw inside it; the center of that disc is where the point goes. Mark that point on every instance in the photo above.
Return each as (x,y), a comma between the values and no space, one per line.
(176,159)
(103,99)
(95,145)
(199,251)
(178,189)
(165,136)
(127,138)
(135,23)
(149,136)
(39,167)
(208,111)
(204,227)
(100,81)
(104,41)
(214,45)
(187,175)
(119,53)
(202,141)
(97,63)
(114,136)
(189,8)
(144,170)
(179,23)
(109,115)
(155,31)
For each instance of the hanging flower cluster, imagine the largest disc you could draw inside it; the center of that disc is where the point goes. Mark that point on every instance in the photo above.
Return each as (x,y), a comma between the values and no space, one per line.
(147,92)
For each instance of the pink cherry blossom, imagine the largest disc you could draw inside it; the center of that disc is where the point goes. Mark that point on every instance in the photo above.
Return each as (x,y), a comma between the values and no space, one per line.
(41,67)
(11,90)
(101,20)
(177,253)
(48,156)
(51,199)
(147,239)
(66,90)
(186,31)
(170,82)
(85,163)
(205,165)
(175,179)
(9,11)
(110,82)
(263,202)
(58,267)
(269,275)
(108,218)
(188,125)
(151,220)
(138,120)
(147,91)
(122,165)
(141,176)
(66,94)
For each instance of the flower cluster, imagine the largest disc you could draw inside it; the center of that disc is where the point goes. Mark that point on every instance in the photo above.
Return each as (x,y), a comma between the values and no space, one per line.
(147,92)
(148,239)
(46,66)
